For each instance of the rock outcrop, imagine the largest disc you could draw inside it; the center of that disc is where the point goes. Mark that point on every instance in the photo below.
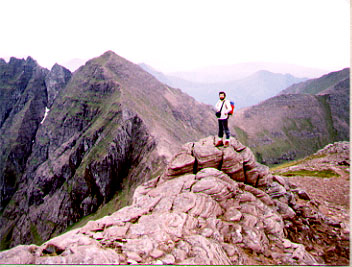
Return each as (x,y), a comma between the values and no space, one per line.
(214,206)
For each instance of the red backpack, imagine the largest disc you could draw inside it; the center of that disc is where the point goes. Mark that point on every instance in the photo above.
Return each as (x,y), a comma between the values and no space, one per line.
(233,107)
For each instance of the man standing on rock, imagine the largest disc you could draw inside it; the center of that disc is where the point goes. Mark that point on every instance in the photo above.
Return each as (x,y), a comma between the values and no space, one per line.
(223,107)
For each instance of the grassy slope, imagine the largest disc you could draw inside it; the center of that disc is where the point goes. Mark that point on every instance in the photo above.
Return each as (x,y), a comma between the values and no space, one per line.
(297,126)
(315,86)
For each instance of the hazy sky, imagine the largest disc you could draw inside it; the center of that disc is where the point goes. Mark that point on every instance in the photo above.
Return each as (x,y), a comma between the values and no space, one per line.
(175,35)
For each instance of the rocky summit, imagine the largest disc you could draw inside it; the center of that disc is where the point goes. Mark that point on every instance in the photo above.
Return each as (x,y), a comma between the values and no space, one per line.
(214,206)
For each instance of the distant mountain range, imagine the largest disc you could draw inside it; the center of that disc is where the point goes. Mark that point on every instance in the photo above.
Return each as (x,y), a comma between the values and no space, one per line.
(246,83)
(301,119)
(247,91)
(226,73)
(239,71)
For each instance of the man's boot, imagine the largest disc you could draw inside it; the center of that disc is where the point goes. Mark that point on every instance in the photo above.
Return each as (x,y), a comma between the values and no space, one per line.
(227,143)
(219,143)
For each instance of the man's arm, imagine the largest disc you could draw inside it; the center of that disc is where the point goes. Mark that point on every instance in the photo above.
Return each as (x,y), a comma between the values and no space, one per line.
(218,106)
(228,107)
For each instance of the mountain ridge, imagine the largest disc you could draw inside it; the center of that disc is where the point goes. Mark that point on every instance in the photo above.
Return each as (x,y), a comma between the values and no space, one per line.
(111,127)
(317,85)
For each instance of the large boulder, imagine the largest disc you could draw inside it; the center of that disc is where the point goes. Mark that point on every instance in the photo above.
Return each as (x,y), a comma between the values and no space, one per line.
(206,154)
(236,160)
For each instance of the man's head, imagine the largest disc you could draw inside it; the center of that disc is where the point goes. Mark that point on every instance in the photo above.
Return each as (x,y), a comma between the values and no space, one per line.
(222,95)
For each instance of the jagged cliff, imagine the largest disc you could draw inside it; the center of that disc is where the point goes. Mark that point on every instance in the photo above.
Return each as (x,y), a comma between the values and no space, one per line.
(23,99)
(214,206)
(83,139)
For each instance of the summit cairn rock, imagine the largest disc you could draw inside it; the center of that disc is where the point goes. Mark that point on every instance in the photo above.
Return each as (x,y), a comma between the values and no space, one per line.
(211,206)
(206,154)
(182,162)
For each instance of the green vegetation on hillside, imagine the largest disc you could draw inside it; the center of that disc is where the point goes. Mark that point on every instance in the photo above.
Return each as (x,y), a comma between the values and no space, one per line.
(302,172)
(297,140)
(241,135)
(302,122)
(295,162)
(35,235)
(329,120)
(121,199)
(315,86)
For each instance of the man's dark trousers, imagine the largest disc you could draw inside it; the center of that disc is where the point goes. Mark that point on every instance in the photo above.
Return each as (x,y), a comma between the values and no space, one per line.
(223,126)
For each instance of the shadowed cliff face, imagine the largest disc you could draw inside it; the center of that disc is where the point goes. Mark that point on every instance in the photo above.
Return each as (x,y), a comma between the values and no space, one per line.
(22,104)
(210,206)
(23,99)
(111,123)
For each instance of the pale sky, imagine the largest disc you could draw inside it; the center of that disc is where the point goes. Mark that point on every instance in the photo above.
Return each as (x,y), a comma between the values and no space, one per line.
(178,35)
